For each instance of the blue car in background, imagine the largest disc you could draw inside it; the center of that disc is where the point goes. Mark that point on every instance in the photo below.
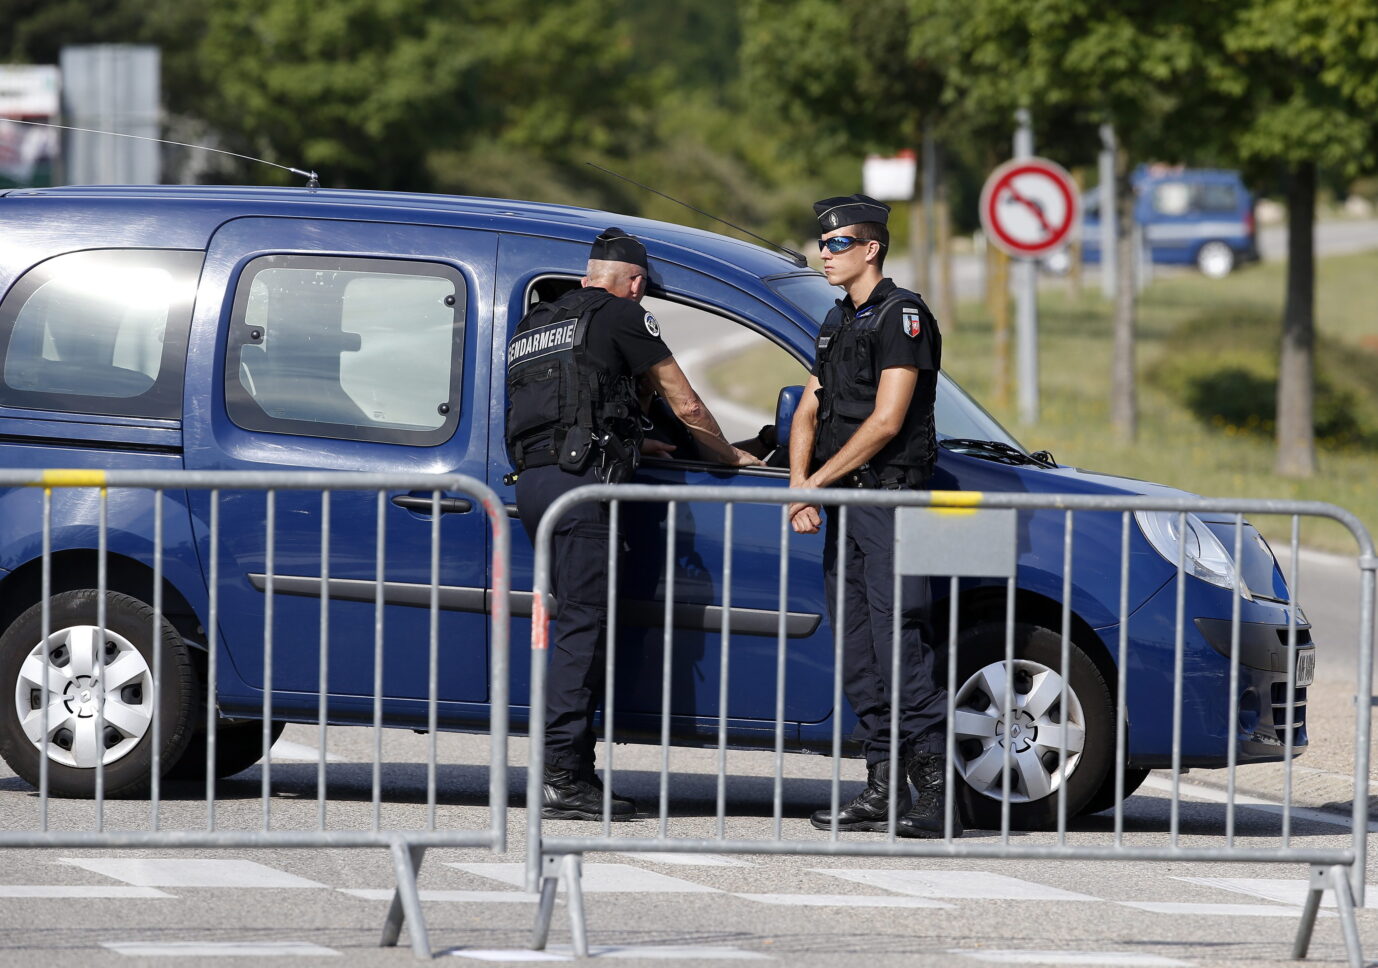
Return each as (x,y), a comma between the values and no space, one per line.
(204,328)
(1189,216)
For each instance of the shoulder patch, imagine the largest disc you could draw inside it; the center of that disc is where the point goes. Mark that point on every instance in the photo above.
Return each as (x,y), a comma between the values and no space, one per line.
(911,321)
(652,326)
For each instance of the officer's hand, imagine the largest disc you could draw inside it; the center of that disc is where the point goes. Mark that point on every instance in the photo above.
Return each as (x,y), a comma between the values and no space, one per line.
(656,448)
(805,518)
(746,460)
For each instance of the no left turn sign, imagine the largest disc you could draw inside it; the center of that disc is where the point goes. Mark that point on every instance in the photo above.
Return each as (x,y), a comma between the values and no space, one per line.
(1029,207)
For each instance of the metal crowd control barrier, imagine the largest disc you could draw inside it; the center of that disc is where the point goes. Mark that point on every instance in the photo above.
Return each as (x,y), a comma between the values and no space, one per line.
(971,543)
(406,846)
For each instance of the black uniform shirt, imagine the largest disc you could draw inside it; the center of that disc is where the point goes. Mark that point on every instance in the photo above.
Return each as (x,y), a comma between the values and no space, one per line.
(624,338)
(859,349)
(895,345)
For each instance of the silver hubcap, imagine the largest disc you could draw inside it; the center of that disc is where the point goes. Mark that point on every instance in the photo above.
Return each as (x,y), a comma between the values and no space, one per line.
(89,677)
(1034,734)
(1215,260)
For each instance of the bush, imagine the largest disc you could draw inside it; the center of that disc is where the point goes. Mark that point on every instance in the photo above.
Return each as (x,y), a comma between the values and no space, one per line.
(1224,370)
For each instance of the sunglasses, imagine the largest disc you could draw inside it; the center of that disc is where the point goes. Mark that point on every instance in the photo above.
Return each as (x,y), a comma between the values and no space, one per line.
(839,243)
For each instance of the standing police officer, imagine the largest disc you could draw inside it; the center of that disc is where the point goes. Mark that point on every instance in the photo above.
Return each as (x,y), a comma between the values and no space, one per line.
(866,420)
(573,419)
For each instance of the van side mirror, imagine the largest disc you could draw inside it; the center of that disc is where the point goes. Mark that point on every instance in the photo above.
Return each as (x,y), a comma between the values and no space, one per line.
(785,405)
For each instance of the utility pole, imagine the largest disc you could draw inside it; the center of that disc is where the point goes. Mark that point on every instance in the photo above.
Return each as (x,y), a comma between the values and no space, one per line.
(1026,296)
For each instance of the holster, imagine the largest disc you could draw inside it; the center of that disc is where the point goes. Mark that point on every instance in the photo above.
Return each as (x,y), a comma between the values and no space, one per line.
(577,450)
(618,461)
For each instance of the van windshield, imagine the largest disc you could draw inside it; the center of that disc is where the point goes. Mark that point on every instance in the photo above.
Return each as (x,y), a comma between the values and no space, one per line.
(955,412)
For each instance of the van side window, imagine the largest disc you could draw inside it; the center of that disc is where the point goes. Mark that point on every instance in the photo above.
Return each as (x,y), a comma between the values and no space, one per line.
(1171,198)
(1216,199)
(103,331)
(360,349)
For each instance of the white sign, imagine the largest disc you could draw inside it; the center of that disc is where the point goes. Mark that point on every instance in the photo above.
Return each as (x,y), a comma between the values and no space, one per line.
(29,91)
(22,147)
(889,179)
(1029,207)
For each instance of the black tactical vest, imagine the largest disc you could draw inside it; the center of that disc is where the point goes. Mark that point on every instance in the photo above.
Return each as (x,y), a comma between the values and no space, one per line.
(560,407)
(847,349)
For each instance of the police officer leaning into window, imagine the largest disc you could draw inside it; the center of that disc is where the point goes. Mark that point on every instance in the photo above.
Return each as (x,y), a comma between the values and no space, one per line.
(866,420)
(573,419)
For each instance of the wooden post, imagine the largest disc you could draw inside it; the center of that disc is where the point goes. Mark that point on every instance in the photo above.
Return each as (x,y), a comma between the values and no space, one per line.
(999,291)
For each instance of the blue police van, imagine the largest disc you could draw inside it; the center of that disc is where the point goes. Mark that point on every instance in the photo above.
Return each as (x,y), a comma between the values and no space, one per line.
(1190,216)
(235,328)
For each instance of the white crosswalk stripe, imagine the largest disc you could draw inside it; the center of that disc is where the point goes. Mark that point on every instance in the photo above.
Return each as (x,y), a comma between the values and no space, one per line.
(971,885)
(189,872)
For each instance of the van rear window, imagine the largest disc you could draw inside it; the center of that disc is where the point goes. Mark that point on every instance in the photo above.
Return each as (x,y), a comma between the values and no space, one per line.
(361,349)
(102,331)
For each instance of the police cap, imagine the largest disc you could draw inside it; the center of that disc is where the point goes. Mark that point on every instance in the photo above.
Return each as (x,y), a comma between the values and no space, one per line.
(833,213)
(614,245)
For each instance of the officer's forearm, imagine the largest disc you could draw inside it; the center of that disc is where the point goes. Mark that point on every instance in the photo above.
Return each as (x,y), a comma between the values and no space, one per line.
(803,431)
(874,433)
(695,415)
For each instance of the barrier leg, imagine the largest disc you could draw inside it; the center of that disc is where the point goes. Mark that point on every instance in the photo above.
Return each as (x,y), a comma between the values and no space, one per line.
(550,882)
(1308,913)
(1344,903)
(572,872)
(406,902)
(567,868)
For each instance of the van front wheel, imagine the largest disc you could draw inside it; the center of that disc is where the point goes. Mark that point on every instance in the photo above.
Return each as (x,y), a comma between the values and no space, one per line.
(1040,727)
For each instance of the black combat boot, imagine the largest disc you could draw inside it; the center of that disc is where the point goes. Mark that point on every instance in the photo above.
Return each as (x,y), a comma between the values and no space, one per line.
(869,809)
(927,773)
(572,795)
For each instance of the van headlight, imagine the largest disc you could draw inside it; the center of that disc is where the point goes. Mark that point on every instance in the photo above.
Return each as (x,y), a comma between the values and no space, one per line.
(1205,557)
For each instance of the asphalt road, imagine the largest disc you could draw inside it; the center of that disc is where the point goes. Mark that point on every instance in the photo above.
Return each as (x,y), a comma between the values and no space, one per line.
(105,907)
(154,907)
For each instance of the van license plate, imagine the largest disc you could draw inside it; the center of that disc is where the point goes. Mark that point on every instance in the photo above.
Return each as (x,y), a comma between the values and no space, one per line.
(1306,667)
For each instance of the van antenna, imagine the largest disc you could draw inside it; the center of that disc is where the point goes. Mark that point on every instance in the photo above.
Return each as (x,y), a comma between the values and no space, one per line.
(797,257)
(313,181)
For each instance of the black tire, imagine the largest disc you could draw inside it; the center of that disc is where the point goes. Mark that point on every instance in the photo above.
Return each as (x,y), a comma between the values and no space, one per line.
(1104,798)
(983,646)
(73,623)
(238,746)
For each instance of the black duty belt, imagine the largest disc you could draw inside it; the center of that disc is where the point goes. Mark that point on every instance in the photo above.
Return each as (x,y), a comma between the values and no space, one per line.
(864,477)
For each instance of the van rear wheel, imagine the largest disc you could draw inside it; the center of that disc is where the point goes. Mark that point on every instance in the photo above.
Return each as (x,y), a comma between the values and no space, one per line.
(1215,260)
(89,676)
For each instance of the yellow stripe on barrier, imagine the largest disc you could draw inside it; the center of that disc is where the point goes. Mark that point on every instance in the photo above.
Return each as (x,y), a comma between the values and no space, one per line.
(73,478)
(957,502)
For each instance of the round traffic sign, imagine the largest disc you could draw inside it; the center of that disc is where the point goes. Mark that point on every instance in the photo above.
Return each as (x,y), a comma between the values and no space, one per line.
(1029,207)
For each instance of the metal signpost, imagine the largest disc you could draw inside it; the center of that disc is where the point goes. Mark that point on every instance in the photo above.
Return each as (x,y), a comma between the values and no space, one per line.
(1029,207)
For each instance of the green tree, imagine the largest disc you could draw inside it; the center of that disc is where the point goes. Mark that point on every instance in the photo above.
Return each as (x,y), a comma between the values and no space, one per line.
(1302,86)
(1140,66)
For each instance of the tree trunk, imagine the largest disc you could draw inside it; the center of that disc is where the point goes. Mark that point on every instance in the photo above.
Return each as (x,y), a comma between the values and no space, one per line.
(918,231)
(1296,454)
(1124,403)
(1074,277)
(946,295)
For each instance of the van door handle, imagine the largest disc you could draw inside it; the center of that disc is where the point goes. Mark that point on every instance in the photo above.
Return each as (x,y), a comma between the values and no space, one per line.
(425,505)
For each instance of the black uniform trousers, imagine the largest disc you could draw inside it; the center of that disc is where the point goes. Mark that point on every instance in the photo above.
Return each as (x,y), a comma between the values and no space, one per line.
(868,632)
(579,582)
